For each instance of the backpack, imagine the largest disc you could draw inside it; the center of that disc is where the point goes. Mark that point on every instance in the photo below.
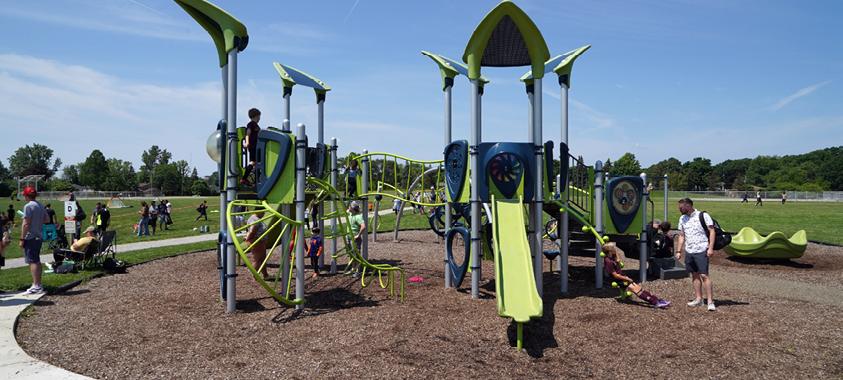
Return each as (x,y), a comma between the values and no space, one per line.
(659,243)
(66,268)
(80,214)
(114,266)
(721,239)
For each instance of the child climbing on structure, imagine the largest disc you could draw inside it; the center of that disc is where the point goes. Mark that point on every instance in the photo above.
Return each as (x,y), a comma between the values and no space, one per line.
(612,265)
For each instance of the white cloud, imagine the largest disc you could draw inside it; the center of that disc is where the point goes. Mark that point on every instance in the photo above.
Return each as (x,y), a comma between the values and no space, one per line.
(798,94)
(74,110)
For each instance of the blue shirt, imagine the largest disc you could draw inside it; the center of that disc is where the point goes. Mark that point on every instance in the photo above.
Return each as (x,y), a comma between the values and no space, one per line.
(36,214)
(315,244)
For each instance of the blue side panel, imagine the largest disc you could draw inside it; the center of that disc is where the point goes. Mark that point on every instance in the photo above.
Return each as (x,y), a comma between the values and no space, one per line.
(266,181)
(458,271)
(522,151)
(456,167)
(623,195)
(548,165)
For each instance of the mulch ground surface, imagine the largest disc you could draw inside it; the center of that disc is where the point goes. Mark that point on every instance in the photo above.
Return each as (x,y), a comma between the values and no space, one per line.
(164,320)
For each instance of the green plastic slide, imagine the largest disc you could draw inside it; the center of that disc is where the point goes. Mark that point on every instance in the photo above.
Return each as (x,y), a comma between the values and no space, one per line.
(515,282)
(748,243)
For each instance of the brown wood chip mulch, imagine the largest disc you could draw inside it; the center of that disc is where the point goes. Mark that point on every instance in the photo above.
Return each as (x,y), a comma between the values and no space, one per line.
(164,320)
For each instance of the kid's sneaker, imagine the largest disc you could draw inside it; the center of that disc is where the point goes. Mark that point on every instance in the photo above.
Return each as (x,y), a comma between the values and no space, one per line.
(696,302)
(711,306)
(662,304)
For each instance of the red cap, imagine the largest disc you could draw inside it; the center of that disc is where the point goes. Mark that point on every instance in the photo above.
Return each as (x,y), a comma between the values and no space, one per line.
(30,191)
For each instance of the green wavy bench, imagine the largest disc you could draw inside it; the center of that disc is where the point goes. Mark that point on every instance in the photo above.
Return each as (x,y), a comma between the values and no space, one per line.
(748,243)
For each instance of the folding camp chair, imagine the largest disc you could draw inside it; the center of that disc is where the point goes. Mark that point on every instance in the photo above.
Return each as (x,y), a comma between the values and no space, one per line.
(108,240)
(54,237)
(82,259)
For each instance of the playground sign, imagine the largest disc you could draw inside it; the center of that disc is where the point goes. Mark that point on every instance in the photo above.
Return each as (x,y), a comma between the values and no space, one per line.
(70,217)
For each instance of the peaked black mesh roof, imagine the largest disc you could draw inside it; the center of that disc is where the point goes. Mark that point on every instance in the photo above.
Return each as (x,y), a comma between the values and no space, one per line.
(506,46)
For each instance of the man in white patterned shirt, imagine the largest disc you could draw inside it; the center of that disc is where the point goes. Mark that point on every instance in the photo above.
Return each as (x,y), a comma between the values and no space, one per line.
(698,249)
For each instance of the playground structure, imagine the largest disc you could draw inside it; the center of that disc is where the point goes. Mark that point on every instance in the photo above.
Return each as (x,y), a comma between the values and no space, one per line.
(748,243)
(512,183)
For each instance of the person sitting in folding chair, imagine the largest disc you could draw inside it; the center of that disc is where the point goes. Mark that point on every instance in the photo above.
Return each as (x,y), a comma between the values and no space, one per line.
(81,250)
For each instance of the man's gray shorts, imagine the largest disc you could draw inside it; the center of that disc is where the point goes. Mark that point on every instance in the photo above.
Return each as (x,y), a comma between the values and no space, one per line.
(696,263)
(32,251)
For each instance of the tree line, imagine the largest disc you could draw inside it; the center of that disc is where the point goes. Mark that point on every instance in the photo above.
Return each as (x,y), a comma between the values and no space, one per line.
(820,170)
(102,174)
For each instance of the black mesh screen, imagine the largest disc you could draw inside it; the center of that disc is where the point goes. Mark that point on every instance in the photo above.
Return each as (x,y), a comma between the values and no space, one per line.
(506,46)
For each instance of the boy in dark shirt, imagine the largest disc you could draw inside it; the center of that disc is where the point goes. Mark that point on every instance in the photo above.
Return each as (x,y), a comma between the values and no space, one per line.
(314,249)
(612,265)
(251,144)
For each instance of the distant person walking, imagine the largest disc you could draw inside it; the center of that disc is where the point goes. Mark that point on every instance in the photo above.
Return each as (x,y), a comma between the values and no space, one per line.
(744,197)
(784,197)
(758,199)
(162,216)
(698,242)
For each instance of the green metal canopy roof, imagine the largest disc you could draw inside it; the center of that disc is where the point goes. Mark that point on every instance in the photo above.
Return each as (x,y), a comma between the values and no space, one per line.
(227,32)
(506,37)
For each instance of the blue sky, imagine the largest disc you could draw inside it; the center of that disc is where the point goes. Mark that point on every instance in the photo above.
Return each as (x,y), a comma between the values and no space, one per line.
(684,79)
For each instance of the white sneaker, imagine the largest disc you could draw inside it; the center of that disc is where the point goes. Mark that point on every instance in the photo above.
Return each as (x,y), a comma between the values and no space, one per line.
(711,306)
(696,302)
(35,290)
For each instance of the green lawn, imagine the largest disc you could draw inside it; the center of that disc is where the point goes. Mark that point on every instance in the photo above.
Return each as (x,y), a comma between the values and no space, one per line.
(822,221)
(124,219)
(21,279)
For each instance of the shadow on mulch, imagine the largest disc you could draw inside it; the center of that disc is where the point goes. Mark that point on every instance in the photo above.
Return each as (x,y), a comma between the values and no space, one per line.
(772,262)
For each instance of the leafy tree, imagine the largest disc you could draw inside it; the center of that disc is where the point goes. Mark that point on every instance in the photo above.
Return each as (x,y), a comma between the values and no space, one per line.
(213,180)
(195,175)
(60,185)
(676,181)
(28,156)
(182,169)
(697,173)
(4,172)
(35,169)
(167,179)
(121,176)
(70,174)
(626,165)
(756,173)
(831,170)
(94,172)
(201,188)
(152,158)
(714,182)
(607,166)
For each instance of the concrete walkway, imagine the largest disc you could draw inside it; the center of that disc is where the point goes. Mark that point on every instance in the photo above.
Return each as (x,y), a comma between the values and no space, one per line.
(14,362)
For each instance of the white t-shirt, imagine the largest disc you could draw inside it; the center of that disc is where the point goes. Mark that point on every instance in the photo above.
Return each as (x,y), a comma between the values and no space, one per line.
(696,238)
(396,204)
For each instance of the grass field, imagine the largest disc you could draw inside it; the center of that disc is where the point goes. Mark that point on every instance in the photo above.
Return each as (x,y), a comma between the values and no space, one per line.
(21,279)
(822,221)
(123,220)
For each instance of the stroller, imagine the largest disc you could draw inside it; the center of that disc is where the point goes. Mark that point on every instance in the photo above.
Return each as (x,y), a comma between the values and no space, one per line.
(54,236)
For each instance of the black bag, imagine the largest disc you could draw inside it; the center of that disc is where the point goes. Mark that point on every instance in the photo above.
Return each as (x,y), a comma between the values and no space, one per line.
(80,214)
(659,244)
(721,239)
(66,268)
(114,266)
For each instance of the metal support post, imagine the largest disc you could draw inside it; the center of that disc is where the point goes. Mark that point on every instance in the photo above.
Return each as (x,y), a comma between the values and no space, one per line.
(364,204)
(643,242)
(231,180)
(598,223)
(301,168)
(333,204)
